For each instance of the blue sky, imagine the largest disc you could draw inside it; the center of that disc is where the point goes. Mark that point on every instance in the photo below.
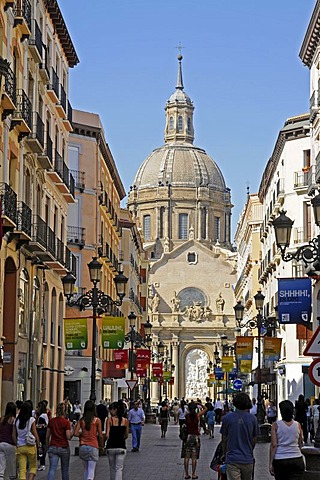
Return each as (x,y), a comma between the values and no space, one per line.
(241,69)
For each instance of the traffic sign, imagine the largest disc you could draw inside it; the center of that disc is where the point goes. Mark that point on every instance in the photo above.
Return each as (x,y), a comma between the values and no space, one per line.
(237,383)
(313,347)
(131,383)
(314,372)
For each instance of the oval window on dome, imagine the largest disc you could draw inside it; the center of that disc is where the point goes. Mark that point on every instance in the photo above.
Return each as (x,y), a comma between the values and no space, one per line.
(180,124)
(171,123)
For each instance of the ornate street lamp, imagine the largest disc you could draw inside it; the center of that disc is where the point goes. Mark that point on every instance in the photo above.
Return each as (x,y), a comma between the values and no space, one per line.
(95,299)
(256,323)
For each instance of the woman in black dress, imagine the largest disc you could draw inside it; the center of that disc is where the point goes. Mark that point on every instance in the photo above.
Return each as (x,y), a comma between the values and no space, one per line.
(117,431)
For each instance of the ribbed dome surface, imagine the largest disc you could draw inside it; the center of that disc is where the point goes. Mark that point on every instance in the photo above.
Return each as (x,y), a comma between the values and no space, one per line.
(181,165)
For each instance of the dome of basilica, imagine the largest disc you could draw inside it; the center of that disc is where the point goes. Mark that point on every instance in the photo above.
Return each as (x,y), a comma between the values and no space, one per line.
(181,165)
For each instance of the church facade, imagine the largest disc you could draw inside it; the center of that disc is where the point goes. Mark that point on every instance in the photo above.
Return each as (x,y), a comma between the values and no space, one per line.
(180,202)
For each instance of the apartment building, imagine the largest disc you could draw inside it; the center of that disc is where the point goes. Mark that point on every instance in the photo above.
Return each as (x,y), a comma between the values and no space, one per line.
(36,187)
(94,230)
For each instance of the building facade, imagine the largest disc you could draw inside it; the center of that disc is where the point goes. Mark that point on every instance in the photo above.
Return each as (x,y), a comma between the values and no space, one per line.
(36,188)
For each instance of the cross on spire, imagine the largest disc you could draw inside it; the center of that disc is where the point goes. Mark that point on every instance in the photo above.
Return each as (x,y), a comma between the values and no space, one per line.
(180,47)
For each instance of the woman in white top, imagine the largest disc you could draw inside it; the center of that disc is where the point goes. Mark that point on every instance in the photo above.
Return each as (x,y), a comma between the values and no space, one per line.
(315,415)
(26,454)
(286,462)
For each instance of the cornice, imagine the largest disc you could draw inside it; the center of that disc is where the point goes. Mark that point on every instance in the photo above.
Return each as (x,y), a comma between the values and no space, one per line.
(312,37)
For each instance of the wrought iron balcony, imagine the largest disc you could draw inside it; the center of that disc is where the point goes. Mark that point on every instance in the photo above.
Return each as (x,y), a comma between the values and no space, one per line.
(35,42)
(8,204)
(24,217)
(68,119)
(70,262)
(62,177)
(35,139)
(53,87)
(79,179)
(61,168)
(63,98)
(46,158)
(106,252)
(22,116)
(76,235)
(22,13)
(44,68)
(60,251)
(9,94)
(300,180)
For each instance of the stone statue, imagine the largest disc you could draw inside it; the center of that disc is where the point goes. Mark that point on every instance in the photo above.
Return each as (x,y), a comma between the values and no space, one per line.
(220,303)
(175,302)
(155,303)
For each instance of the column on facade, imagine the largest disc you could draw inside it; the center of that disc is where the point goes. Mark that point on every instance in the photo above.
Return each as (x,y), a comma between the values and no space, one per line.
(175,362)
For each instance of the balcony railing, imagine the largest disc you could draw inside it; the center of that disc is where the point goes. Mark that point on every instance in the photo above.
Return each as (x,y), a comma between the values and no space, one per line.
(24,216)
(10,86)
(8,202)
(76,235)
(22,9)
(54,82)
(60,248)
(300,179)
(64,173)
(24,108)
(70,262)
(79,179)
(48,148)
(69,115)
(36,39)
(63,98)
(40,231)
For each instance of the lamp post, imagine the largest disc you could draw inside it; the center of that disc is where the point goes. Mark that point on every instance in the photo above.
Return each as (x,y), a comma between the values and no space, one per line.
(309,253)
(95,299)
(136,340)
(252,324)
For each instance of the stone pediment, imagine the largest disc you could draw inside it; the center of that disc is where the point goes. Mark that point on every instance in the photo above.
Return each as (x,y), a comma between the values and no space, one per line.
(216,252)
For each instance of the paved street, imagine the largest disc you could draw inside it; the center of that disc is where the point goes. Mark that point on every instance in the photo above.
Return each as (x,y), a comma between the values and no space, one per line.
(159,459)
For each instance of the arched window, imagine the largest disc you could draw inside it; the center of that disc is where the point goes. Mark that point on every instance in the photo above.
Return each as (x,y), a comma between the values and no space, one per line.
(171,123)
(23,295)
(147,227)
(180,124)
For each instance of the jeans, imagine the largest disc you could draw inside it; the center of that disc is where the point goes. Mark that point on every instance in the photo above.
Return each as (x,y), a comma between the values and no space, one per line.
(56,453)
(136,434)
(239,471)
(116,460)
(27,453)
(8,460)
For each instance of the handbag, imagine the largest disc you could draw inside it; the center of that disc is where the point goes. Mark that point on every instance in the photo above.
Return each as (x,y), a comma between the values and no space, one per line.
(217,458)
(183,435)
(30,438)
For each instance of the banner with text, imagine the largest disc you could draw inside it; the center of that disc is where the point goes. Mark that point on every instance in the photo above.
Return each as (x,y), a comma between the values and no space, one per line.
(294,300)
(157,370)
(245,366)
(75,333)
(227,364)
(272,348)
(121,358)
(113,332)
(244,348)
(143,357)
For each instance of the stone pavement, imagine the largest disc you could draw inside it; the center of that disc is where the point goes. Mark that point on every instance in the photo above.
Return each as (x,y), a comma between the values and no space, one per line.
(159,458)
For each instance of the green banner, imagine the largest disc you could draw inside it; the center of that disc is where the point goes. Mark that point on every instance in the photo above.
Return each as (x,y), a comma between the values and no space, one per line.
(113,332)
(75,333)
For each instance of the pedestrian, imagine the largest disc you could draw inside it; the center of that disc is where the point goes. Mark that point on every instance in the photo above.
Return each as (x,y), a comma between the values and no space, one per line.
(41,425)
(301,409)
(239,432)
(57,441)
(191,446)
(69,408)
(210,419)
(271,412)
(218,407)
(164,418)
(175,410)
(8,467)
(117,430)
(102,413)
(315,415)
(286,462)
(90,439)
(26,452)
(182,414)
(77,410)
(136,418)
(254,408)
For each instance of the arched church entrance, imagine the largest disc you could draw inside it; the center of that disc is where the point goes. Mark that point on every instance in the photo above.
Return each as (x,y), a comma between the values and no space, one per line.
(196,374)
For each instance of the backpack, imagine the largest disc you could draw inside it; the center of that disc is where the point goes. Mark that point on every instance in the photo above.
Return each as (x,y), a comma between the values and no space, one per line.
(217,458)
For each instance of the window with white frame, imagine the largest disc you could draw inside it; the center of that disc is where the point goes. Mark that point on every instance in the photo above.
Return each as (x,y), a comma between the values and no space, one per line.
(147,227)
(183,226)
